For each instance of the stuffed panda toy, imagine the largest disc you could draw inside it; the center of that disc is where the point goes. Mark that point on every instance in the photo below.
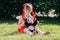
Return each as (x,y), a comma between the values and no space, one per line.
(30,23)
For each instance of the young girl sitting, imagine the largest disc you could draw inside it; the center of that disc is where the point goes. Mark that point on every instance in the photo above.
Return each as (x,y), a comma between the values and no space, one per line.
(26,26)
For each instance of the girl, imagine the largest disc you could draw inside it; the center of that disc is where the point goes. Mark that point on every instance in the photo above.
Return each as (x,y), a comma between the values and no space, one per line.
(27,11)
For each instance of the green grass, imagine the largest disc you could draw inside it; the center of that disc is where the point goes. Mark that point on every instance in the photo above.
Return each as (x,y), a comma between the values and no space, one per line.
(8,30)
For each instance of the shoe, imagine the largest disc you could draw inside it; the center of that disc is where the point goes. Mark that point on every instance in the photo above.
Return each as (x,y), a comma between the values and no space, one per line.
(47,33)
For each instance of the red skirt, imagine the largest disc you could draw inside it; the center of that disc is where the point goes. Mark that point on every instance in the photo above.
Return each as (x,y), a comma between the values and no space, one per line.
(22,28)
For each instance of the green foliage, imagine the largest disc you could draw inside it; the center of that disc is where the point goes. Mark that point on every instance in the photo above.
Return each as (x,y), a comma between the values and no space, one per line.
(12,8)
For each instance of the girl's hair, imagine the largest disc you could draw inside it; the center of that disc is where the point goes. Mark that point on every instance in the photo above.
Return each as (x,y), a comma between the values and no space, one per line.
(23,13)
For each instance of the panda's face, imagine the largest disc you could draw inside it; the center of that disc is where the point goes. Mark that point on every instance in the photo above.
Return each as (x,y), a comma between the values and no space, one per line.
(30,20)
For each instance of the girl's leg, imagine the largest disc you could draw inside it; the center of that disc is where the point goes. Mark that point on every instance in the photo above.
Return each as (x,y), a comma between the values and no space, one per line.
(42,33)
(39,32)
(27,31)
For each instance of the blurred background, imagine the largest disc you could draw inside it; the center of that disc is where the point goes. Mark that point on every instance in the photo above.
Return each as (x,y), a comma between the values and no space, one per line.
(43,8)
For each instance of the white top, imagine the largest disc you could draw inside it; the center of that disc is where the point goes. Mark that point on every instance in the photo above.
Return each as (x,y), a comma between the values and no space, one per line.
(18,17)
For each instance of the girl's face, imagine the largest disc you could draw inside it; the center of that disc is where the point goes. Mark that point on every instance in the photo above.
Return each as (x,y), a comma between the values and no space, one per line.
(28,10)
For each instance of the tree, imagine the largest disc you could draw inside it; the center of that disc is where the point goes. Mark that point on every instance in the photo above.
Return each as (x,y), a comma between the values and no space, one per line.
(12,8)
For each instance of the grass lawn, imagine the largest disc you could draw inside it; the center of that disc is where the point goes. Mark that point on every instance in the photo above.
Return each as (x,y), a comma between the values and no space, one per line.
(8,30)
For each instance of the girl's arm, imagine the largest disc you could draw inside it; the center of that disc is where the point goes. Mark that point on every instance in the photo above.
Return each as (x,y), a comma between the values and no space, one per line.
(20,23)
(36,26)
(38,23)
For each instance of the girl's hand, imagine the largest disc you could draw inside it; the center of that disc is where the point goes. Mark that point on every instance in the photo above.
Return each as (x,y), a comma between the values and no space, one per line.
(38,23)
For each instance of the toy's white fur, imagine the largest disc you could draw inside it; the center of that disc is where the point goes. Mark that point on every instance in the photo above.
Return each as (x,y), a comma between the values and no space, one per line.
(30,19)
(31,27)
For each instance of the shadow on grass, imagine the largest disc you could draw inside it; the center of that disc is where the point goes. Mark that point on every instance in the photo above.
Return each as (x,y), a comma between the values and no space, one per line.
(12,33)
(8,21)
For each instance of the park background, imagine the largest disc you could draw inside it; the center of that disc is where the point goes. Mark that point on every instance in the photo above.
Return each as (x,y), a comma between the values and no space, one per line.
(47,12)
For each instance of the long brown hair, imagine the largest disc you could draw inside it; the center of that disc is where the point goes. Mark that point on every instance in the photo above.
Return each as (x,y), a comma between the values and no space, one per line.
(23,13)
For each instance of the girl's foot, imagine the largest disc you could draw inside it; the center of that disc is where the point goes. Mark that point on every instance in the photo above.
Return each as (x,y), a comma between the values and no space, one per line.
(46,33)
